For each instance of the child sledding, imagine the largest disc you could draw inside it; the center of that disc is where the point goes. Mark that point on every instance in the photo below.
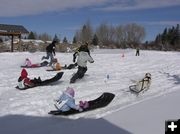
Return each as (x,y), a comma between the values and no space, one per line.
(56,66)
(24,82)
(66,105)
(29,64)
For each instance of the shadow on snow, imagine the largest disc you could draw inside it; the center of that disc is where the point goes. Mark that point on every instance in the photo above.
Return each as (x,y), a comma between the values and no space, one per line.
(20,124)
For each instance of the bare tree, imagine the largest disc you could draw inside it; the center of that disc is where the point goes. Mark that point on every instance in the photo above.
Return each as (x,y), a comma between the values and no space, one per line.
(103,33)
(135,34)
(121,36)
(45,37)
(87,32)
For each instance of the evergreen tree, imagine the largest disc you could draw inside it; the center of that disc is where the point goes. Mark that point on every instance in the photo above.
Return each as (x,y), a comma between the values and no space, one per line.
(177,35)
(31,35)
(74,40)
(164,36)
(56,38)
(95,40)
(65,40)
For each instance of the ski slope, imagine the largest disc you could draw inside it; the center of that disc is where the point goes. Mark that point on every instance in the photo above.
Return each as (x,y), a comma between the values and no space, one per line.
(122,72)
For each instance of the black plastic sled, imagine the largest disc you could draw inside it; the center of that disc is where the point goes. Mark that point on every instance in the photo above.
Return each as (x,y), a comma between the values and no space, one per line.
(53,70)
(100,102)
(71,66)
(57,77)
(43,64)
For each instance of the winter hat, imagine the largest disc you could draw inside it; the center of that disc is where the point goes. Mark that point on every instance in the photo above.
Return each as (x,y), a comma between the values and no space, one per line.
(24,73)
(70,91)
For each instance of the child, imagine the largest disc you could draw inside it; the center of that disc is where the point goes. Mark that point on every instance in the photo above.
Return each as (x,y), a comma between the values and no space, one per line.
(25,82)
(66,101)
(83,57)
(56,65)
(28,63)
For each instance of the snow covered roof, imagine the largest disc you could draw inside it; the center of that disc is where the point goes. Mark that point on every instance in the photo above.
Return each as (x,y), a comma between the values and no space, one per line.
(13,28)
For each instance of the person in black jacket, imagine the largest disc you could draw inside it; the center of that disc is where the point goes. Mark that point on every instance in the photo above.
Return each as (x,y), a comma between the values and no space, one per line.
(50,50)
(137,51)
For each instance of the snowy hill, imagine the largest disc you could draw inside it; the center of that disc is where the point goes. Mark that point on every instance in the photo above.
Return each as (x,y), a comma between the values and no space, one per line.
(26,111)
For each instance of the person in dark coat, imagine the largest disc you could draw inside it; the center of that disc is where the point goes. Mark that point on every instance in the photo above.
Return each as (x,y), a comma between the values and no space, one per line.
(137,51)
(50,50)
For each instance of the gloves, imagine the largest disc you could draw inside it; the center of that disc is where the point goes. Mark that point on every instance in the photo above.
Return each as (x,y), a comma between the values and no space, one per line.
(80,109)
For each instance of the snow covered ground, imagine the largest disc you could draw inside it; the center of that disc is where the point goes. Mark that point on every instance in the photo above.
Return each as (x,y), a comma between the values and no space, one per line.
(26,111)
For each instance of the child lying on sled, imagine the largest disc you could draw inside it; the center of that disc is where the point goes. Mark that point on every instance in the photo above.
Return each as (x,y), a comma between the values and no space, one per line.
(28,64)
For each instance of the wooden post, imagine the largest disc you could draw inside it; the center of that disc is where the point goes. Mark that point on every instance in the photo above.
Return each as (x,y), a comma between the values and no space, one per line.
(19,47)
(12,43)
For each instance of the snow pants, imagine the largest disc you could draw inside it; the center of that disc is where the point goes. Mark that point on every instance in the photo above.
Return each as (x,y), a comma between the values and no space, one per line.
(49,55)
(79,74)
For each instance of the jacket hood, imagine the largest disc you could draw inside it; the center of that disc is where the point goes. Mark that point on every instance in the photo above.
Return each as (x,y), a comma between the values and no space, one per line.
(24,73)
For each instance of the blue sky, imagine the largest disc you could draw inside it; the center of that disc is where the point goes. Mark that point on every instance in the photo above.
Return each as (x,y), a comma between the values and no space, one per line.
(65,17)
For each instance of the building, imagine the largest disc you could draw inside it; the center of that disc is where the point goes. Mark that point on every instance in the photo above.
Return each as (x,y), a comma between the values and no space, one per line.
(12,30)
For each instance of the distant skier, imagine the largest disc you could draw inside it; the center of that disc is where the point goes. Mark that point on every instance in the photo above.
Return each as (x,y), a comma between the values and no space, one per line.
(83,57)
(142,85)
(25,82)
(137,52)
(50,50)
(66,101)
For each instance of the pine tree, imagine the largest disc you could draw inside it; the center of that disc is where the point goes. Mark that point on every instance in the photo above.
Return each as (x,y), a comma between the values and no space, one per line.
(95,40)
(56,38)
(65,40)
(74,40)
(164,36)
(177,35)
(31,35)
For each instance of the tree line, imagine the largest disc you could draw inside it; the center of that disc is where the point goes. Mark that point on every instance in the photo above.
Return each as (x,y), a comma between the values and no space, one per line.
(120,36)
(168,40)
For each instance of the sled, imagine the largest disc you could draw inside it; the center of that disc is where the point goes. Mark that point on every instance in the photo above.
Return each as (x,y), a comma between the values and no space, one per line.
(57,77)
(100,102)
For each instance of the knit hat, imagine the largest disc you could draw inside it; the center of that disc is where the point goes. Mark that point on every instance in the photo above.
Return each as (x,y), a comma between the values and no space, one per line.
(70,91)
(24,73)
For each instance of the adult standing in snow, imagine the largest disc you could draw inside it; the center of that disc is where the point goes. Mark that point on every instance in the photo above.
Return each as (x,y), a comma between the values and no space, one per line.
(50,50)
(83,57)
(137,51)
